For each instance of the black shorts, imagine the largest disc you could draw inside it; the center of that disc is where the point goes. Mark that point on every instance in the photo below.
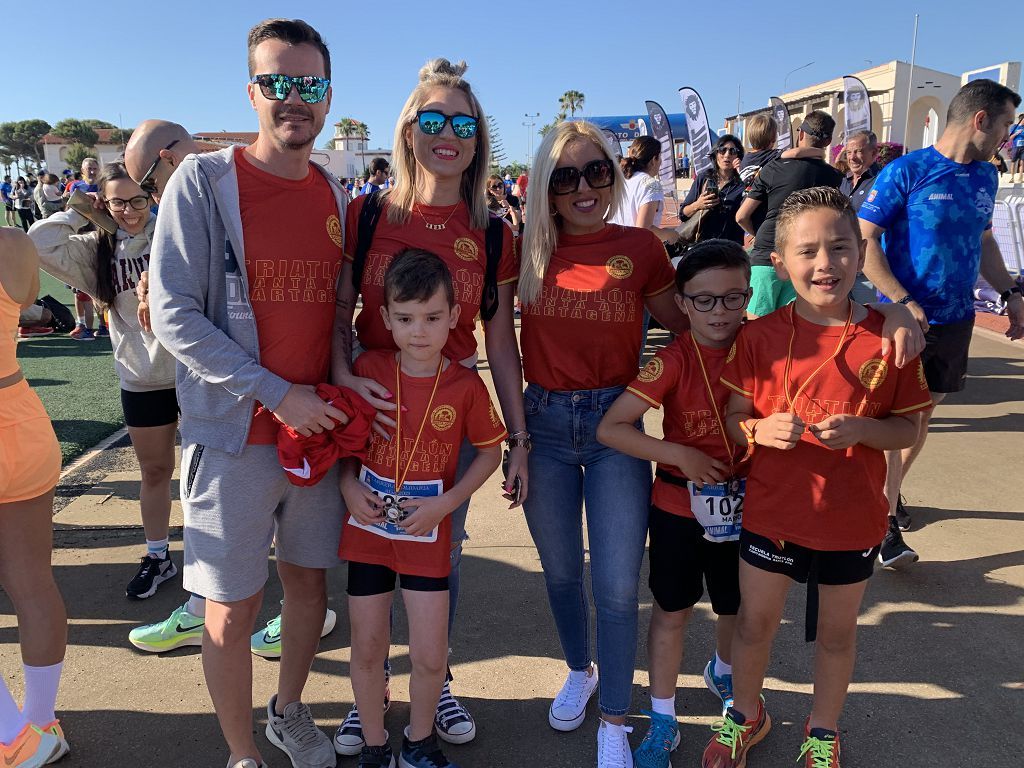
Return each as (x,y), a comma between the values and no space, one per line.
(947,348)
(156,408)
(368,579)
(835,568)
(1018,154)
(682,561)
(9,207)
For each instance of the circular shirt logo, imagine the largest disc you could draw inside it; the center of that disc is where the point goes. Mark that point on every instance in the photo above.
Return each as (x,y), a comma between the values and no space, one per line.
(334,230)
(873,373)
(442,418)
(619,267)
(732,353)
(652,371)
(466,249)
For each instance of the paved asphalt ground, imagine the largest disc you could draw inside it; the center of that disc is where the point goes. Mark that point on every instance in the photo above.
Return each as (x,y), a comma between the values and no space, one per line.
(939,680)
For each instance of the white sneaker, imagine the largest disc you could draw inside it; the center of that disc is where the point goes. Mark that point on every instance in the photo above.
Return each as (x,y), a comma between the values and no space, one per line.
(247,762)
(613,746)
(570,705)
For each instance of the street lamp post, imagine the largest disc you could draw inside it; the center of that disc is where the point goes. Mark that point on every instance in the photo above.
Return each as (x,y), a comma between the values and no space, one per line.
(785,82)
(529,123)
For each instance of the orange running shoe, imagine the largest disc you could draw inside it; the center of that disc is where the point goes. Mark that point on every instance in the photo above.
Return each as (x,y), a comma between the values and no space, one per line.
(64,748)
(820,749)
(31,749)
(734,736)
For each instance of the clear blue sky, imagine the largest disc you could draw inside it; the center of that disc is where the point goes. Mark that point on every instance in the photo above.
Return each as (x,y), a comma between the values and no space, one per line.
(125,62)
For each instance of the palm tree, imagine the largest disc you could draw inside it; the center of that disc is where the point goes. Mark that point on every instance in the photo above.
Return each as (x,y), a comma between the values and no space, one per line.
(571,102)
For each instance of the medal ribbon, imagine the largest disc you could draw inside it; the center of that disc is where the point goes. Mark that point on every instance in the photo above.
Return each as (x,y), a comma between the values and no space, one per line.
(400,476)
(789,357)
(730,449)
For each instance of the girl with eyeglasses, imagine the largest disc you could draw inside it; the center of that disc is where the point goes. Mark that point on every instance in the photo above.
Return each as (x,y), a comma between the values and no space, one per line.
(719,207)
(584,285)
(438,204)
(107,267)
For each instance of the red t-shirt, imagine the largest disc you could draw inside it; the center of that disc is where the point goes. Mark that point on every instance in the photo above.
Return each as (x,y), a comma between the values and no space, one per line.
(461,408)
(812,495)
(673,378)
(293,251)
(584,330)
(462,249)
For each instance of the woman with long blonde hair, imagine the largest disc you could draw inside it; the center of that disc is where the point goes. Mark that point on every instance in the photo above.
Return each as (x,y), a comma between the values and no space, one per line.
(438,204)
(585,279)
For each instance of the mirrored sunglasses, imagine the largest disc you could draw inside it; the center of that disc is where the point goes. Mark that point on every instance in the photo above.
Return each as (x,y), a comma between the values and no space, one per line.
(312,90)
(432,123)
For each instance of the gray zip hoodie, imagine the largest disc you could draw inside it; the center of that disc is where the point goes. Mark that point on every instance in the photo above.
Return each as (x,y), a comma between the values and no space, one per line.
(199,302)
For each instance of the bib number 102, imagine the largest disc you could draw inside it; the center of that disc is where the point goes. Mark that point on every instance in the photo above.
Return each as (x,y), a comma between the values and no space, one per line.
(724,507)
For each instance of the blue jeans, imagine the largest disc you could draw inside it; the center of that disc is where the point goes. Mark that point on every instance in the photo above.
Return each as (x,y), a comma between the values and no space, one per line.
(567,468)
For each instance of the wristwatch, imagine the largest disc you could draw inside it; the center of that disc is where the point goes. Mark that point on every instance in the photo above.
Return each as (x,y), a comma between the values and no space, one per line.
(1005,295)
(905,300)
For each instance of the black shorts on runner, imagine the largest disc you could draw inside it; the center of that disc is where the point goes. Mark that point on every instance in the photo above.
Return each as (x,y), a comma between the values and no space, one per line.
(835,568)
(946,350)
(682,561)
(156,408)
(9,207)
(368,579)
(1018,154)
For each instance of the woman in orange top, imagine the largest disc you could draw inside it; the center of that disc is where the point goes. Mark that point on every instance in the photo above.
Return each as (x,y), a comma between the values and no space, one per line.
(29,469)
(584,286)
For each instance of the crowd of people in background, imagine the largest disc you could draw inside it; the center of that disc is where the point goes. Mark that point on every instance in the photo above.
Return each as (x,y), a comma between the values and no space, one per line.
(783,360)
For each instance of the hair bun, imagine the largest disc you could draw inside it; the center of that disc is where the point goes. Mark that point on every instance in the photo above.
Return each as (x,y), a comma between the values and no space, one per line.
(442,67)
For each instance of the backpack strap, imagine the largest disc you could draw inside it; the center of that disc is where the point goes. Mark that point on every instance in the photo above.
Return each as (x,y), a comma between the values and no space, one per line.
(369,215)
(495,240)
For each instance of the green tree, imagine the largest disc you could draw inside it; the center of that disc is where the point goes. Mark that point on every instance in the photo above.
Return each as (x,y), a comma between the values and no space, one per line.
(23,139)
(75,154)
(350,127)
(515,169)
(120,135)
(94,123)
(571,102)
(76,132)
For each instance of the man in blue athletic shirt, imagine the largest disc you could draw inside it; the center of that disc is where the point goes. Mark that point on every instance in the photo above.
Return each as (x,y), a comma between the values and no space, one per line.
(928,226)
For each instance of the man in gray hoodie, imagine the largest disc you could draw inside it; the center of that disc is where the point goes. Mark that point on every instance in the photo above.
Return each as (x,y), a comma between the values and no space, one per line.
(244,265)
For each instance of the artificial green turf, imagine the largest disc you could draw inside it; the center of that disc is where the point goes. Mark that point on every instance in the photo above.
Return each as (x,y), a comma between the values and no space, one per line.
(75,380)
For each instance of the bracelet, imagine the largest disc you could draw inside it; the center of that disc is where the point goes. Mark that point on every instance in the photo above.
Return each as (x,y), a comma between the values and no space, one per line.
(519,439)
(1006,295)
(749,426)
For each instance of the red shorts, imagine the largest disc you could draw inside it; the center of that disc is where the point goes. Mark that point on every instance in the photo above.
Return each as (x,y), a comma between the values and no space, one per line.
(29,452)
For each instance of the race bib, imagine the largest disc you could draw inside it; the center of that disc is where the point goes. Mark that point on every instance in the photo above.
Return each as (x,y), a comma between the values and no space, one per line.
(719,508)
(384,489)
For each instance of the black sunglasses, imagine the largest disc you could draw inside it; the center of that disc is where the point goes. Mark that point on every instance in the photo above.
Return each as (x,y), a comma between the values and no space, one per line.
(432,122)
(598,173)
(145,182)
(727,151)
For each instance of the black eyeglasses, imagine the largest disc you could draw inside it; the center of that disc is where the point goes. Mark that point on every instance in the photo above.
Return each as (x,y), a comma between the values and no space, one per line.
(598,173)
(705,302)
(727,151)
(432,122)
(312,90)
(148,184)
(139,202)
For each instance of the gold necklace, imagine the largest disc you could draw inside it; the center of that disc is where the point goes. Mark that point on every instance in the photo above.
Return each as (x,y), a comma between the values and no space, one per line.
(437,227)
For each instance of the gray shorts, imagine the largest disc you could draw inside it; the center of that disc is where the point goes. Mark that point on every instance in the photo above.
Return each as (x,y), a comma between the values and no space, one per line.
(237,507)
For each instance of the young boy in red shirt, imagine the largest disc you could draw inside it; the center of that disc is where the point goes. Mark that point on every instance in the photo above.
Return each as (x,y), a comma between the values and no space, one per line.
(816,402)
(697,498)
(399,501)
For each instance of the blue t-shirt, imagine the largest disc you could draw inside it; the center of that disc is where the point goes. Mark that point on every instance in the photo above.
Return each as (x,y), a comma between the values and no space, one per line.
(934,212)
(1017,135)
(85,186)
(5,191)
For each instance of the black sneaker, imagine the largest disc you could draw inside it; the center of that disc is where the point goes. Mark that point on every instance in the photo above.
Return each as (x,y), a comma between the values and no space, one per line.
(423,754)
(453,722)
(894,552)
(377,757)
(902,516)
(153,571)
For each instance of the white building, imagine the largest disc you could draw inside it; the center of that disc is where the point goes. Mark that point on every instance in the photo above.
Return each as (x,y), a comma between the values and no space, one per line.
(55,149)
(349,154)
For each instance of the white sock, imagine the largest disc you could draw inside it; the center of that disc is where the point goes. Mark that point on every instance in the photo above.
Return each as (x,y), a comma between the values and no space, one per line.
(11,718)
(157,548)
(197,605)
(664,706)
(721,668)
(41,685)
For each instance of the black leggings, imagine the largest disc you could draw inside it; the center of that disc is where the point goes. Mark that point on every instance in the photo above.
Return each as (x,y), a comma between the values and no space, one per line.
(27,218)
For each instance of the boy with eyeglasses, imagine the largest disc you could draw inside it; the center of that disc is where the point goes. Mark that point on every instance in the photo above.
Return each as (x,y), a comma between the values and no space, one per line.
(697,498)
(816,400)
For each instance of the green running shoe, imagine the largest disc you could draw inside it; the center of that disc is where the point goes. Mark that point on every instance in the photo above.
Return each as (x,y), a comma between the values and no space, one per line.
(179,629)
(267,641)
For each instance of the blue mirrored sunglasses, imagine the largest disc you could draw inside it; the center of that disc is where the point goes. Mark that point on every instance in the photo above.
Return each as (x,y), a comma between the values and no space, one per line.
(311,90)
(432,123)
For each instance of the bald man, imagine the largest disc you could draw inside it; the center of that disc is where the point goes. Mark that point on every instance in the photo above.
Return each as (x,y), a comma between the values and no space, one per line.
(154,151)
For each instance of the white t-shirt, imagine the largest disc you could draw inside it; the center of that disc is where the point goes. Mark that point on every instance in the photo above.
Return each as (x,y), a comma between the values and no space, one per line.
(641,189)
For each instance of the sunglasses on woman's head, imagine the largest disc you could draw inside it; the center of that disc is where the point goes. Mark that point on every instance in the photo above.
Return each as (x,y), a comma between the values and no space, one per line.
(598,173)
(432,123)
(312,90)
